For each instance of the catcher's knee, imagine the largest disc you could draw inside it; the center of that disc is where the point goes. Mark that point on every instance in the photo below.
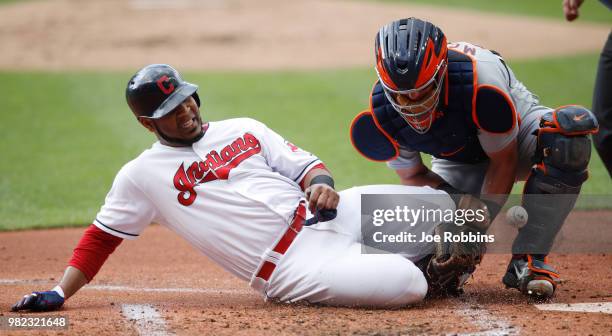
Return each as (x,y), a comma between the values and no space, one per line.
(563,151)
(562,157)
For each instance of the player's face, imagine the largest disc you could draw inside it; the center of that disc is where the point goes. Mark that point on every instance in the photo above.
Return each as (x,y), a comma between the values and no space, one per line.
(417,106)
(420,101)
(181,127)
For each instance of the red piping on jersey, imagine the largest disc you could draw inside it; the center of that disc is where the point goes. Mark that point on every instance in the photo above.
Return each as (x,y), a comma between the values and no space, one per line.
(317,166)
(92,251)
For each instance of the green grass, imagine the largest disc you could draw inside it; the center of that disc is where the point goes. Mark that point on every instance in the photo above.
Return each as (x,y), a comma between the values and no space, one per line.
(591,10)
(3,2)
(65,135)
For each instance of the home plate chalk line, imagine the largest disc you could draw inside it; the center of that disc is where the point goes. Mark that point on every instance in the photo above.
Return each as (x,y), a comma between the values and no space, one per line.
(591,307)
(490,324)
(146,319)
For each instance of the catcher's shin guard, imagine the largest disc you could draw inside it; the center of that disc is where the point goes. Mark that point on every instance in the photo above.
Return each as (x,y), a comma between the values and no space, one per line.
(561,159)
(533,277)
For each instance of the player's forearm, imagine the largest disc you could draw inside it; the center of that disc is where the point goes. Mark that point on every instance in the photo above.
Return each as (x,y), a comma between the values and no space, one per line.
(308,179)
(422,177)
(88,257)
(72,281)
(499,180)
(320,193)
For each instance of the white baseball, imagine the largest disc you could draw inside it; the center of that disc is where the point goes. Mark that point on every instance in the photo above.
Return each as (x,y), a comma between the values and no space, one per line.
(517,216)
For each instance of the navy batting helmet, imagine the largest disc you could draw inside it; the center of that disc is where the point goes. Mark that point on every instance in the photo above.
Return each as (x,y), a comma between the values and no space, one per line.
(411,59)
(156,90)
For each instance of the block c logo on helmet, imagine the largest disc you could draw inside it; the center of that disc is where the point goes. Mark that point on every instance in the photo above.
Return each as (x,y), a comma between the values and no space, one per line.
(161,84)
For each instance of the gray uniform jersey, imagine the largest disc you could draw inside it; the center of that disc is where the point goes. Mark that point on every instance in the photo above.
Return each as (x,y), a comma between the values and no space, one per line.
(491,71)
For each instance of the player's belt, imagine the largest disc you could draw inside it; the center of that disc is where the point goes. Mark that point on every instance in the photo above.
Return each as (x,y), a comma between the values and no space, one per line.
(283,244)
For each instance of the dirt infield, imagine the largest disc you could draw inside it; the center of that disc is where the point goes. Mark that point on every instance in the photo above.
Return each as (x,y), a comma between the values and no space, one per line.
(247,34)
(158,284)
(183,293)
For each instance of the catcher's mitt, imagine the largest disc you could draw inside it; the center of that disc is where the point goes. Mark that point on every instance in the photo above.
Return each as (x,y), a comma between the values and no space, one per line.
(453,262)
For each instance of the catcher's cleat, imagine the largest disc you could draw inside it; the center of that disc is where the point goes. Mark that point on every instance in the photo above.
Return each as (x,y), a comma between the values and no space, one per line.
(533,277)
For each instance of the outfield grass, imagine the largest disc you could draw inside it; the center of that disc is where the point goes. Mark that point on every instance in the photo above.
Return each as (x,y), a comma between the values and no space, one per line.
(2,2)
(591,10)
(65,135)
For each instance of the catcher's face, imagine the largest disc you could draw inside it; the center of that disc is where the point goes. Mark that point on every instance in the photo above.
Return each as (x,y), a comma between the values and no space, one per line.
(181,127)
(417,106)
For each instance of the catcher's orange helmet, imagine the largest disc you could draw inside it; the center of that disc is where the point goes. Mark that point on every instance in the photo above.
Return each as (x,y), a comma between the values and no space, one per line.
(411,61)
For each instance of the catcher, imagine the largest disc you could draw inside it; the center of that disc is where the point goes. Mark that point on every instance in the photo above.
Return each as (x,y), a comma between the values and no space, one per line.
(462,104)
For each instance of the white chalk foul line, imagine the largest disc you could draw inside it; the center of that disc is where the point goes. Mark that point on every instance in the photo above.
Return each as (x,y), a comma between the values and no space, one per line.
(491,325)
(592,307)
(146,319)
(174,4)
(24,282)
(169,290)
(120,288)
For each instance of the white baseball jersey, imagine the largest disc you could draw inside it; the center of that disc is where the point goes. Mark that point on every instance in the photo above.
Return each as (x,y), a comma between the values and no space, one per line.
(233,194)
(230,195)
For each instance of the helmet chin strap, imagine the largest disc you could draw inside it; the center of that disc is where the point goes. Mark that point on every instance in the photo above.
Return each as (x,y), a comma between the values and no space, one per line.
(177,141)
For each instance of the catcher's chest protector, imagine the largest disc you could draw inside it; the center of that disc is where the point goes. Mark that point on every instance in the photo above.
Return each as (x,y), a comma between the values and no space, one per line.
(453,135)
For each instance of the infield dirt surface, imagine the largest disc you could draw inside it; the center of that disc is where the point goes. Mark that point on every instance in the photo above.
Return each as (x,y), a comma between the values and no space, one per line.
(191,295)
(245,34)
(194,297)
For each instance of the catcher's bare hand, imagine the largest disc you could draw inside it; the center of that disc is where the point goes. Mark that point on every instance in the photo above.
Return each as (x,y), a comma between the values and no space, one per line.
(321,196)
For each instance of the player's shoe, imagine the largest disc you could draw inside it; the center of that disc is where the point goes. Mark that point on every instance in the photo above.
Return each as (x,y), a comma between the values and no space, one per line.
(533,277)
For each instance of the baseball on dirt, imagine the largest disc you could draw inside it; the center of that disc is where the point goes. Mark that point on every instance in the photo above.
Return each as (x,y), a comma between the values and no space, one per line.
(517,216)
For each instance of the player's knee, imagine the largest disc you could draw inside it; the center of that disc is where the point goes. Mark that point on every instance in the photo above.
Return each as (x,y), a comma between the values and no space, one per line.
(398,284)
(418,289)
(564,147)
(412,287)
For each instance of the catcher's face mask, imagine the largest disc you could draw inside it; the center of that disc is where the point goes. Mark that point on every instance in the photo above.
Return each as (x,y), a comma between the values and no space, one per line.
(417,106)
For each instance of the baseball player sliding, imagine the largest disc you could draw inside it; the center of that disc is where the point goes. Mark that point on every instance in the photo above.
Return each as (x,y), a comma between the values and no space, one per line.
(463,105)
(237,191)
